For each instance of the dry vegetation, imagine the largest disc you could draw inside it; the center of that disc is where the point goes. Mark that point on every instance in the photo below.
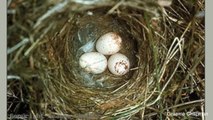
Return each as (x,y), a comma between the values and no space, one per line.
(168,77)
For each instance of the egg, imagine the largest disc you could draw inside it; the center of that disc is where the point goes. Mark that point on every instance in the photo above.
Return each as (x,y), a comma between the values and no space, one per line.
(118,64)
(93,62)
(109,43)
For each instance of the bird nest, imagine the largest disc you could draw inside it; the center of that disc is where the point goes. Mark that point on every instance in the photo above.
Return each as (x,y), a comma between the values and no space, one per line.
(165,45)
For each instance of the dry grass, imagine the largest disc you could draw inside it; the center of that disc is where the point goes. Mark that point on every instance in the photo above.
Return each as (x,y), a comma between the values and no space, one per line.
(167,75)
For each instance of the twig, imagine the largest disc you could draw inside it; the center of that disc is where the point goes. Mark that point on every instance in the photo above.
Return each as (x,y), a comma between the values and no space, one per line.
(202,109)
(137,4)
(10,77)
(87,2)
(119,88)
(36,43)
(187,103)
(23,42)
(165,3)
(184,7)
(115,7)
(169,55)
(34,115)
(59,7)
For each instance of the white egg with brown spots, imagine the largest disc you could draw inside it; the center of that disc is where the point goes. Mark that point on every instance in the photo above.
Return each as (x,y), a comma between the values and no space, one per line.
(93,62)
(109,43)
(118,64)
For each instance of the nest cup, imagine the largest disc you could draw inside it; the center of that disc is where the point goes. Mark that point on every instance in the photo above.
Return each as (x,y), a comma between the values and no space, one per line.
(84,41)
(103,95)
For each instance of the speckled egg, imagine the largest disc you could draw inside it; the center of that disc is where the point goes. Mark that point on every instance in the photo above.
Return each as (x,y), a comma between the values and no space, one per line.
(118,64)
(93,62)
(109,43)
